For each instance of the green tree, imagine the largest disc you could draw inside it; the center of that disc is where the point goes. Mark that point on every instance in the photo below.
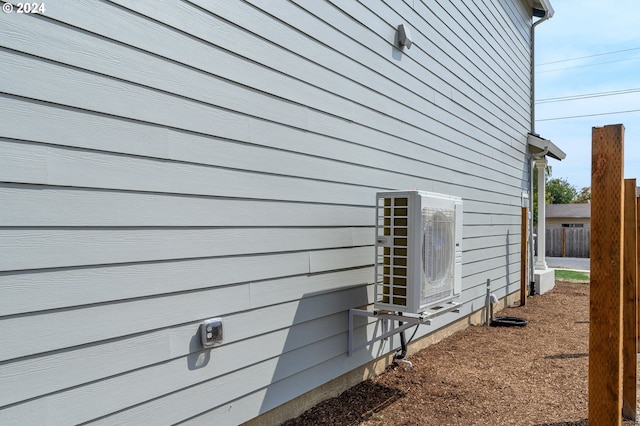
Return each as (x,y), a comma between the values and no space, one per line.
(561,191)
(557,191)
(584,196)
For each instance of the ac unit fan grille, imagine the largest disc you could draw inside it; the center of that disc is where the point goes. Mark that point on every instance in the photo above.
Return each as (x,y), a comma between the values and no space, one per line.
(438,254)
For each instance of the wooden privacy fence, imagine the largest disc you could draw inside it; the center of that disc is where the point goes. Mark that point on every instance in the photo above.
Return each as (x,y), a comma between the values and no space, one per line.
(568,242)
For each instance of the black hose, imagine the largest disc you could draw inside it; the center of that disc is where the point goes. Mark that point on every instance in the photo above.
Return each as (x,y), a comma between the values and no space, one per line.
(509,322)
(403,347)
(415,330)
(403,343)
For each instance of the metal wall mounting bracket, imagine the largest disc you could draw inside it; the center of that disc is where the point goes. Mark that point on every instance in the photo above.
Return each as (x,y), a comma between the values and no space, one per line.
(387,318)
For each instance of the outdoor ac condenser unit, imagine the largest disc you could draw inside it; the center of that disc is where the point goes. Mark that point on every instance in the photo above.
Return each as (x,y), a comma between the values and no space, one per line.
(418,250)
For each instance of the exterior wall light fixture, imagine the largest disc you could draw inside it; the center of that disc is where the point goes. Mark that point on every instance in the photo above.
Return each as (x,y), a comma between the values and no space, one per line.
(404,36)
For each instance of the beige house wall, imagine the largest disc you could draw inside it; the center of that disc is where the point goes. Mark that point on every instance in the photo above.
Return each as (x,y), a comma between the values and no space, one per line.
(553,223)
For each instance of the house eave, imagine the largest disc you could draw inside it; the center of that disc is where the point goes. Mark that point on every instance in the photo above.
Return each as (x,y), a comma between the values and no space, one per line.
(542,8)
(539,145)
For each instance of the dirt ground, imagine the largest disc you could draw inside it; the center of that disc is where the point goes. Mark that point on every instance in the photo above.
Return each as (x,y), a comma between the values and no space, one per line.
(533,375)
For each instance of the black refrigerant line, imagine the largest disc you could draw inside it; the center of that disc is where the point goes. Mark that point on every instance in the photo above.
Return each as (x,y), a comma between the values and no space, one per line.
(402,353)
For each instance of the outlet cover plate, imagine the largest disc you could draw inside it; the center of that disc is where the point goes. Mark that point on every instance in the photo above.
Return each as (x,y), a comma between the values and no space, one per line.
(211,332)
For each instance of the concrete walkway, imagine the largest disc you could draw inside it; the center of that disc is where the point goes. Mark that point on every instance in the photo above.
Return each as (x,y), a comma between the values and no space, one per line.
(574,263)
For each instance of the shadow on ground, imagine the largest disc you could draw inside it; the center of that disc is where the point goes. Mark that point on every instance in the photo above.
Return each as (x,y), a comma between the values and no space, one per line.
(567,356)
(377,398)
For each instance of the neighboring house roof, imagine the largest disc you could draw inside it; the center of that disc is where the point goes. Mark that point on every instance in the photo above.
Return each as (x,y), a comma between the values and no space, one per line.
(571,211)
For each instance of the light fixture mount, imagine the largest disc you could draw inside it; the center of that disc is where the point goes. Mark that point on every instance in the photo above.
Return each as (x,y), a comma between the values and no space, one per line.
(404,36)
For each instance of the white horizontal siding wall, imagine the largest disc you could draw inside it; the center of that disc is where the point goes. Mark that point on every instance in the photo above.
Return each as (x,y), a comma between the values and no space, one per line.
(164,162)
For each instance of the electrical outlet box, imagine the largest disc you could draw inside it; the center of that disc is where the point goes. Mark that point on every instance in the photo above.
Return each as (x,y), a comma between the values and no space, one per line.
(211,332)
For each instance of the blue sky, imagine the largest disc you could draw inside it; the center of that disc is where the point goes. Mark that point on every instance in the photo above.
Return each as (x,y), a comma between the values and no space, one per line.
(579,29)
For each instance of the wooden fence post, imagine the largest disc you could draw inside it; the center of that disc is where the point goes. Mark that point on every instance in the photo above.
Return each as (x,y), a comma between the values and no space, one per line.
(524,256)
(638,269)
(629,315)
(605,314)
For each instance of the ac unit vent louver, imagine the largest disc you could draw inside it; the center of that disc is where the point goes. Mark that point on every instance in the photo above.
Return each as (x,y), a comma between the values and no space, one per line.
(418,250)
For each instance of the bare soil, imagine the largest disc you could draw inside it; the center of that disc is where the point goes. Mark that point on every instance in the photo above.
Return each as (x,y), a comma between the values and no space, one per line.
(532,375)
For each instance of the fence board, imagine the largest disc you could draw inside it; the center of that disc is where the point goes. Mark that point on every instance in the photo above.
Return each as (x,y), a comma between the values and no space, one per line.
(568,242)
